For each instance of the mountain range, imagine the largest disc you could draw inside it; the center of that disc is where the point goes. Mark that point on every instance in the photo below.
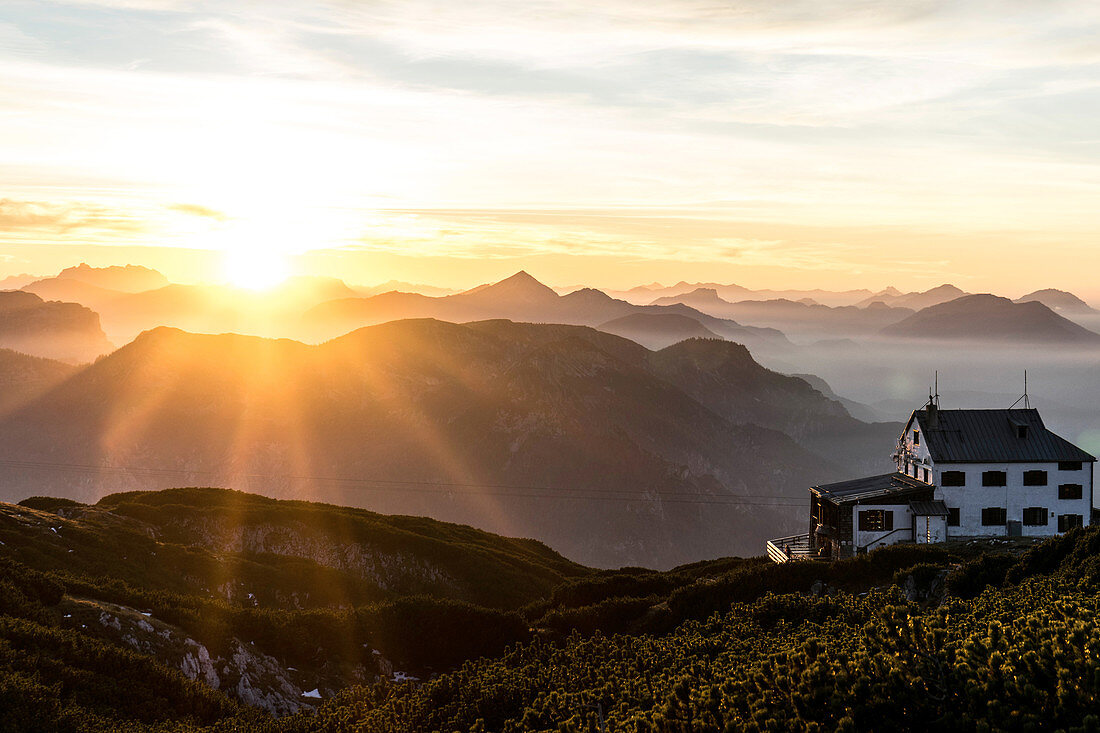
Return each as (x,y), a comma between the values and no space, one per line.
(523,298)
(794,318)
(609,452)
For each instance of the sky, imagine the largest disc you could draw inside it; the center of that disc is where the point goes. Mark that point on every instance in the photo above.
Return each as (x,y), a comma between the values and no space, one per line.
(841,144)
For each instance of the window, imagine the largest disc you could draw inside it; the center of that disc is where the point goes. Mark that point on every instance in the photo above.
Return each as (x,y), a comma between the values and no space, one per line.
(994,516)
(1021,431)
(916,437)
(876,520)
(1035,478)
(1069,465)
(953,516)
(953,478)
(1069,491)
(994,478)
(1066,522)
(924,475)
(1035,516)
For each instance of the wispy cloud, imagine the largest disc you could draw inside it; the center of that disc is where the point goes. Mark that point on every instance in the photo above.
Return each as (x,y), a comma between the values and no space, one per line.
(197,210)
(344,122)
(46,217)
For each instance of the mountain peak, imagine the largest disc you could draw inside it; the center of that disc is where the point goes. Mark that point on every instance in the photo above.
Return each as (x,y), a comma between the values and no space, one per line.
(519,286)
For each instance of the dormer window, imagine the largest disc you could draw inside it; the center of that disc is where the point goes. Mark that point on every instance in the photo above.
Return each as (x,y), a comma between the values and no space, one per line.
(1021,431)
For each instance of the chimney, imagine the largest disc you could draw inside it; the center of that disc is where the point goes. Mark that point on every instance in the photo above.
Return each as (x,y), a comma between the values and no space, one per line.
(933,413)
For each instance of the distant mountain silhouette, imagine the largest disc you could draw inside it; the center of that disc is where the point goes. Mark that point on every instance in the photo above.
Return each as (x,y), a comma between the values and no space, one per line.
(125,278)
(1059,301)
(793,317)
(15,282)
(990,318)
(404,287)
(915,300)
(518,298)
(64,331)
(657,330)
(219,308)
(734,293)
(610,453)
(70,290)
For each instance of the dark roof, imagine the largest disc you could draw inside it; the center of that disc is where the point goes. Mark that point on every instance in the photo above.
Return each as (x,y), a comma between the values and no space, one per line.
(928,508)
(990,436)
(888,484)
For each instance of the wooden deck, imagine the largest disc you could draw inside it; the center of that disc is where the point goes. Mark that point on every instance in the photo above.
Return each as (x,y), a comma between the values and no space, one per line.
(799,546)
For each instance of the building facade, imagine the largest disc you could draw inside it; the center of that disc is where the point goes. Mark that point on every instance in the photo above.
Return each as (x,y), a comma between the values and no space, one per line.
(960,474)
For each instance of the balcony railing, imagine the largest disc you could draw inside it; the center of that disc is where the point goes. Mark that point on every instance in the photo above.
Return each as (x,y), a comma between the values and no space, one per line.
(795,547)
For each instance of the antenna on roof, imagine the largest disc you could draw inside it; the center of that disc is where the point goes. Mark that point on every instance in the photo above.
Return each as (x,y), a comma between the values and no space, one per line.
(1025,398)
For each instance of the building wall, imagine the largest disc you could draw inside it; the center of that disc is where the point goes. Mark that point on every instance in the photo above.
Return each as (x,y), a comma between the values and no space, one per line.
(1015,497)
(916,456)
(903,526)
(930,530)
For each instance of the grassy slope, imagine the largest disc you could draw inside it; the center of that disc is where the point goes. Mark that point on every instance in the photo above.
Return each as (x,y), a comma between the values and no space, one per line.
(703,647)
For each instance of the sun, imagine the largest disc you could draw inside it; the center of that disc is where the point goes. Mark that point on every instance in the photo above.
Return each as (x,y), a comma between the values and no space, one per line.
(254,268)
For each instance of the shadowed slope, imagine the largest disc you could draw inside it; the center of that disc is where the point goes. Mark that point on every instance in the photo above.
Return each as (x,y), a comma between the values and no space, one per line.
(562,433)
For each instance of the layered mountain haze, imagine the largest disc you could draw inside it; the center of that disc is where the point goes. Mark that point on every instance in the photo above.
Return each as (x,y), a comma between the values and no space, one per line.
(521,298)
(608,452)
(915,300)
(977,319)
(657,330)
(220,308)
(807,320)
(64,331)
(733,293)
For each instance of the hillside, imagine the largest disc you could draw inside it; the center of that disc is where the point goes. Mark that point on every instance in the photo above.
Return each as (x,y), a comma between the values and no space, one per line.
(988,318)
(561,433)
(250,596)
(997,633)
(53,330)
(24,377)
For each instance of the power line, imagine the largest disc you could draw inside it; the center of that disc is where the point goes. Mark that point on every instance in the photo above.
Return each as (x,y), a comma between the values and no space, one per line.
(434,487)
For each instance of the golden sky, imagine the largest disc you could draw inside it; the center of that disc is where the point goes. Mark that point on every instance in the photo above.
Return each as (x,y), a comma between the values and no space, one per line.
(856,143)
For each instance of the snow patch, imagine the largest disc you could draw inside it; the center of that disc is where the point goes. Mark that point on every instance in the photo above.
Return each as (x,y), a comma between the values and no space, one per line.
(315,693)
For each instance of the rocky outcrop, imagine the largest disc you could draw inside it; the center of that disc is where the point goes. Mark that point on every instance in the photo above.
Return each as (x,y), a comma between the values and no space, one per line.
(54,330)
(243,671)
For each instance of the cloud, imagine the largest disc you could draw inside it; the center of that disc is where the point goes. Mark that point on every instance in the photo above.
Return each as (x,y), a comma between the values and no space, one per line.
(202,211)
(41,216)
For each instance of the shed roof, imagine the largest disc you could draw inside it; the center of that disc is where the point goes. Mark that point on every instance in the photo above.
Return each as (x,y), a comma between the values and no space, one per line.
(928,508)
(991,436)
(888,484)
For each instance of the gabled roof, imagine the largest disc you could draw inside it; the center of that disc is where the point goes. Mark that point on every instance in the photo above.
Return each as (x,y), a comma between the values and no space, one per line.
(991,436)
(872,487)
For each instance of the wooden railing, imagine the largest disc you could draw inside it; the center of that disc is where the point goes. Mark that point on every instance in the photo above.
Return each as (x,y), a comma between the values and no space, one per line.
(798,546)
